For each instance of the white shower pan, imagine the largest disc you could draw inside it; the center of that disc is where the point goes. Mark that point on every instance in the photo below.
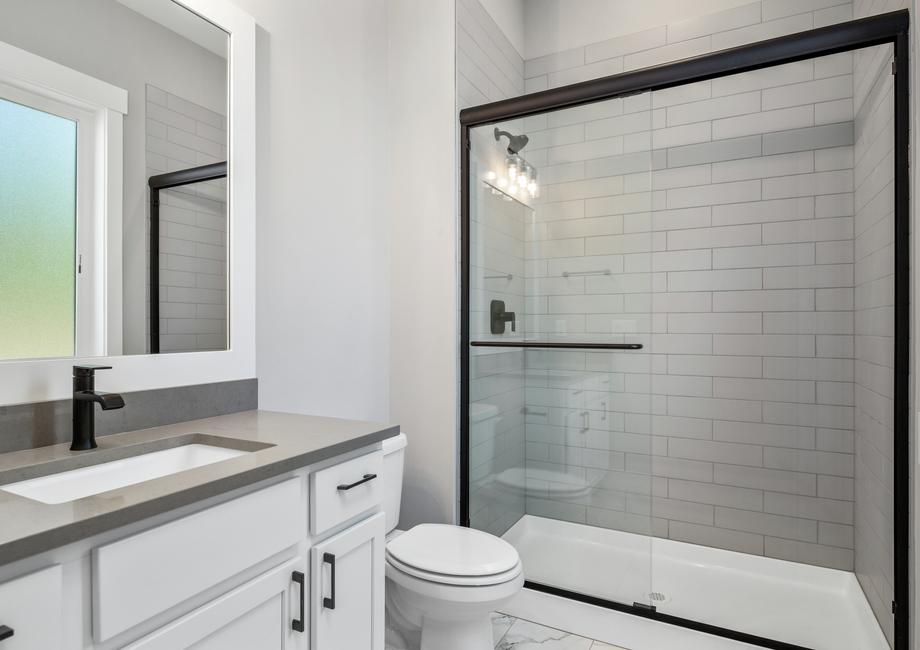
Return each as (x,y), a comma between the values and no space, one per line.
(796,603)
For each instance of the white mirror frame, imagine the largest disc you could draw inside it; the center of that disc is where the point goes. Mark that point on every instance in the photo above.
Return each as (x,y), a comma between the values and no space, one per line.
(51,379)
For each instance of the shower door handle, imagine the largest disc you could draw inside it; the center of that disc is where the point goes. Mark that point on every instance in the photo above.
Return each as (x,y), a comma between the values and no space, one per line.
(585,421)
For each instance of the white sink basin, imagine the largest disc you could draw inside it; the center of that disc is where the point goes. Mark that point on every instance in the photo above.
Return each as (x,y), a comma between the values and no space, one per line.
(86,481)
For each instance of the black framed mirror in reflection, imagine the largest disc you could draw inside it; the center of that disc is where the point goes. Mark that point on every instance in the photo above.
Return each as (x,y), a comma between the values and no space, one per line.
(113,179)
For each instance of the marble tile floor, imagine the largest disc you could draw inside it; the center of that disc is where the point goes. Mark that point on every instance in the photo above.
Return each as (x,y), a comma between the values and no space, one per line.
(511,633)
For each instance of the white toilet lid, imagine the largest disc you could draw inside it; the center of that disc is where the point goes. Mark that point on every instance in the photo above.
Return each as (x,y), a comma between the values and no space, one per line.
(453,551)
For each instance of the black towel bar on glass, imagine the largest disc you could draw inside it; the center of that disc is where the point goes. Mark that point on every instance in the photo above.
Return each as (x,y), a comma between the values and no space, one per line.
(553,345)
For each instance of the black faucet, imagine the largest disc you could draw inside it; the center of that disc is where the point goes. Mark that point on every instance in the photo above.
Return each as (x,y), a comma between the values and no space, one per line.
(84,395)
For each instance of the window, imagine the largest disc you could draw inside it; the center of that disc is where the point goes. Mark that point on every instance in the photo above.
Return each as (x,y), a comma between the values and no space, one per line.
(60,210)
(38,222)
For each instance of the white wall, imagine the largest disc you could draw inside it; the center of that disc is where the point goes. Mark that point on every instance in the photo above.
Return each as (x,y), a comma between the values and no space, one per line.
(323,228)
(424,244)
(509,16)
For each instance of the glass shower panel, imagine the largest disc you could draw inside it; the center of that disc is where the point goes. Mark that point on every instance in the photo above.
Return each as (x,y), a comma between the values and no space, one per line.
(568,251)
(773,326)
(497,228)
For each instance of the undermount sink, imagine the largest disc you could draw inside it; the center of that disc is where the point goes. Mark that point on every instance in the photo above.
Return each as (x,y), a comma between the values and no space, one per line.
(72,484)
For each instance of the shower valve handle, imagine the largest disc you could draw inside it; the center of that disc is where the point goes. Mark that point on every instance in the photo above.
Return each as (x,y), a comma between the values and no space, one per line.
(499,317)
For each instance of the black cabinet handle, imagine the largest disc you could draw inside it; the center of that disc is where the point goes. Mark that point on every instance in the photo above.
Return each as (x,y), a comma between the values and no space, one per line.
(364,479)
(5,632)
(329,603)
(297,623)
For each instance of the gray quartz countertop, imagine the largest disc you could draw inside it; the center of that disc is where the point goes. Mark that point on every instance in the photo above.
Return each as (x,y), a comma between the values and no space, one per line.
(277,442)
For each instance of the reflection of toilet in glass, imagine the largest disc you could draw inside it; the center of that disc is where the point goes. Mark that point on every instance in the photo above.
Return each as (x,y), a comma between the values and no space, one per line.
(484,419)
(443,582)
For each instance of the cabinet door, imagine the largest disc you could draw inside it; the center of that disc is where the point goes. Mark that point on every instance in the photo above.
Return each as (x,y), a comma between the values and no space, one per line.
(348,576)
(259,614)
(30,610)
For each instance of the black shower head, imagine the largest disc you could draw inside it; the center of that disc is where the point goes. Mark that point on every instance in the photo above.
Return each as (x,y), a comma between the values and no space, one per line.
(515,142)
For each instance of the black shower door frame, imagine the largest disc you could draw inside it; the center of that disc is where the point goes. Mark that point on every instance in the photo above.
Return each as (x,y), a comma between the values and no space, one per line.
(893,28)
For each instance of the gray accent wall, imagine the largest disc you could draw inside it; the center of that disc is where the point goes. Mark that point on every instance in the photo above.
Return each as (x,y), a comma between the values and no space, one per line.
(25,426)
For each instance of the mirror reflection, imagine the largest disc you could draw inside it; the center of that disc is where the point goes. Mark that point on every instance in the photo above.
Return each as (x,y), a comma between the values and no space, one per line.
(113,179)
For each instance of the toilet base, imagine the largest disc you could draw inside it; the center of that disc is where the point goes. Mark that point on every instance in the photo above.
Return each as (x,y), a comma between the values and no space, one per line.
(431,616)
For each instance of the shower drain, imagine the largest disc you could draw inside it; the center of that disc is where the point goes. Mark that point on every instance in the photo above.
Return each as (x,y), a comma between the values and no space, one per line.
(658,597)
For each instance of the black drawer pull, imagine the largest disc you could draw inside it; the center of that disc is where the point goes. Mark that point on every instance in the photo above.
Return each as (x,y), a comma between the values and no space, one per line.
(329,603)
(297,623)
(5,632)
(364,479)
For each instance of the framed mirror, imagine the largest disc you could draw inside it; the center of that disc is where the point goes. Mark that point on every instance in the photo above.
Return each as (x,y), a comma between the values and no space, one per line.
(115,229)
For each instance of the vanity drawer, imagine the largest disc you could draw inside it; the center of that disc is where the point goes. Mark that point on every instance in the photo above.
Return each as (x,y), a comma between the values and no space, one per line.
(346,490)
(30,610)
(141,576)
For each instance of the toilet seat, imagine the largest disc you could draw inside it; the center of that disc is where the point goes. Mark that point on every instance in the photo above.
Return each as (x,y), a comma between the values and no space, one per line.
(453,555)
(454,580)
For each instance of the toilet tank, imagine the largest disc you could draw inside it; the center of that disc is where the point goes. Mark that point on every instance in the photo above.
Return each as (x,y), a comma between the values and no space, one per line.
(394,457)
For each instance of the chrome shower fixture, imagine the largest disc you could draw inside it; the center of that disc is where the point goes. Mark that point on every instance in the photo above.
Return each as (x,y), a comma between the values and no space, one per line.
(515,142)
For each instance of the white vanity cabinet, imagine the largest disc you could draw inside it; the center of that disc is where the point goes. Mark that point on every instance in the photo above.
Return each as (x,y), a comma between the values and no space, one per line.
(292,563)
(257,614)
(347,566)
(348,584)
(30,610)
(141,576)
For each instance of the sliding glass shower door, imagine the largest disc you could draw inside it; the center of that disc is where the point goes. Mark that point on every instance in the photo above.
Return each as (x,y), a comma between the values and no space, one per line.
(687,340)
(560,321)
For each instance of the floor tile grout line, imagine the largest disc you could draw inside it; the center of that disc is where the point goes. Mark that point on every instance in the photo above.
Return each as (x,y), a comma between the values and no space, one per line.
(516,619)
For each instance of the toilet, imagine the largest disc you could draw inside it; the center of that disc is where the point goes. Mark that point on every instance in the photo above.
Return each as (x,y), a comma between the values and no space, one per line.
(442,581)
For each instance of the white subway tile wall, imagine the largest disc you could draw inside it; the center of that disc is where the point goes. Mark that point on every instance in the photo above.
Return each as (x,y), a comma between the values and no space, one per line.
(874,320)
(193,224)
(722,215)
(741,229)
(488,69)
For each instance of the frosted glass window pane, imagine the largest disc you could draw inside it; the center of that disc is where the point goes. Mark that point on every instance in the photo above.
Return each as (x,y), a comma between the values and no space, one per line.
(38,175)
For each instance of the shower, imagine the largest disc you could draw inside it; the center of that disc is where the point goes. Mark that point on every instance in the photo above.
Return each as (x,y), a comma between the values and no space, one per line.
(703,405)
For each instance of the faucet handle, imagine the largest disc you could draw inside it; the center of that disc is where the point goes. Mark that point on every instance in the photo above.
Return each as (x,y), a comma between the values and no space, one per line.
(88,371)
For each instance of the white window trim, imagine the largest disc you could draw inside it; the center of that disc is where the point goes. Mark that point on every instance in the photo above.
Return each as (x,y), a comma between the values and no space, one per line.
(98,108)
(47,379)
